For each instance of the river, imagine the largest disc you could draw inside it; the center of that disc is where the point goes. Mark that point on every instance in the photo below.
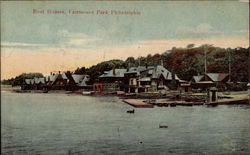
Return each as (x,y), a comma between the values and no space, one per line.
(73,124)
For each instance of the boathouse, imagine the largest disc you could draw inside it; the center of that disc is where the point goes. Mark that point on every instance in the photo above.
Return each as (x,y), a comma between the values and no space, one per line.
(39,83)
(110,81)
(218,80)
(81,80)
(131,78)
(148,79)
(33,84)
(27,84)
(62,81)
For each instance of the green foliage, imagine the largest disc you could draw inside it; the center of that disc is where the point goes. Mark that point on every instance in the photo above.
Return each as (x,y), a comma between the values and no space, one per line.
(190,45)
(187,62)
(81,70)
(7,82)
(19,80)
(96,70)
(184,62)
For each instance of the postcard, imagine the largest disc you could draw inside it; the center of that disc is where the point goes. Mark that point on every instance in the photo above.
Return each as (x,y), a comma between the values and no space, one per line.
(125,77)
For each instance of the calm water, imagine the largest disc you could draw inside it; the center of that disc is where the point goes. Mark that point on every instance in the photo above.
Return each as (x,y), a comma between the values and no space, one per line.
(73,124)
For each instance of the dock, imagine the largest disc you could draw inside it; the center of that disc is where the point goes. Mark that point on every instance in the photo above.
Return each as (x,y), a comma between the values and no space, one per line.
(138,103)
(144,103)
(174,102)
(240,100)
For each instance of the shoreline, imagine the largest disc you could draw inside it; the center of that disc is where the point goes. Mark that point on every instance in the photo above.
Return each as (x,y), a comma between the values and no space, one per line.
(17,89)
(228,98)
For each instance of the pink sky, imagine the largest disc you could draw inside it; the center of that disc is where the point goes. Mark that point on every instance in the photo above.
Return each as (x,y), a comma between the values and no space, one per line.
(15,61)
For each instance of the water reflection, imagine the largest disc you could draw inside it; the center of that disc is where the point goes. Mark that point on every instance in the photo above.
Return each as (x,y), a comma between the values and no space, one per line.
(66,124)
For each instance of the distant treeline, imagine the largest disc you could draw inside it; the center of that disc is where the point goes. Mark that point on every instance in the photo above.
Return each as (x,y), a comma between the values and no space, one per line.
(185,62)
(18,80)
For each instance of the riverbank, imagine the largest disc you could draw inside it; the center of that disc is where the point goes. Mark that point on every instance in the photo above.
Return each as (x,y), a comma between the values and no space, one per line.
(10,88)
(172,98)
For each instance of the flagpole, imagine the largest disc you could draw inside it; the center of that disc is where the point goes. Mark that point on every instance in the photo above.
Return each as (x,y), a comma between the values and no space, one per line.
(229,64)
(205,60)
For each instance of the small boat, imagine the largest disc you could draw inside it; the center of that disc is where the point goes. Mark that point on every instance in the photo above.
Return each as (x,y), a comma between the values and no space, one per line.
(163,126)
(22,91)
(87,93)
(120,93)
(131,111)
(187,104)
(159,104)
(130,94)
(165,104)
(212,104)
(172,104)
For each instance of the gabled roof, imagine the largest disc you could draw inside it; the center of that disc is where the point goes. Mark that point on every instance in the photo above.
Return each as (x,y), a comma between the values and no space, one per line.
(118,73)
(152,72)
(47,78)
(42,80)
(213,77)
(217,77)
(51,77)
(86,77)
(77,78)
(67,76)
(160,70)
(27,81)
(64,76)
(157,72)
(55,77)
(137,69)
(32,81)
(197,78)
(36,80)
(80,80)
(84,81)
(39,80)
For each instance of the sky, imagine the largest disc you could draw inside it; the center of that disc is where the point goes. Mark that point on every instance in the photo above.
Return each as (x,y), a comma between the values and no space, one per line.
(45,42)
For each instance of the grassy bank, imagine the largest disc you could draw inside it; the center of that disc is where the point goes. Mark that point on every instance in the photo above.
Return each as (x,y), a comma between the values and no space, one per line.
(9,88)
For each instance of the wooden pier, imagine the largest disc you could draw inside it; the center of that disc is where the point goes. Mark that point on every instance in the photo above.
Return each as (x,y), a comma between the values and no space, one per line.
(138,103)
(174,102)
(144,103)
(240,100)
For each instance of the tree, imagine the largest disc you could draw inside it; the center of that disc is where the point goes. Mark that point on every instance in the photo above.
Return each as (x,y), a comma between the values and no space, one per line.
(19,80)
(190,45)
(81,70)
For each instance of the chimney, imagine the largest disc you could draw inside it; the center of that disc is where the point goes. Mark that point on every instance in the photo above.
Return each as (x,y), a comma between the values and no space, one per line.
(162,62)
(68,73)
(113,70)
